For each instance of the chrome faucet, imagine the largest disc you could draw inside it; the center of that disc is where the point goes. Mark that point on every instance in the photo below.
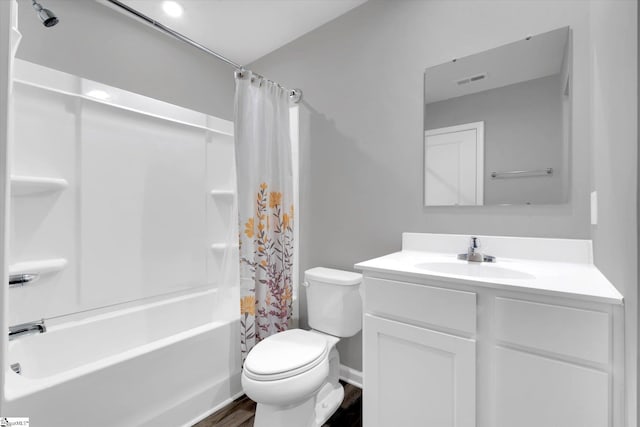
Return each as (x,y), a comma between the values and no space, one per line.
(473,254)
(29,328)
(22,279)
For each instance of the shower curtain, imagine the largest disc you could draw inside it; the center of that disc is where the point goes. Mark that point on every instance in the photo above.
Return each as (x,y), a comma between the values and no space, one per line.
(265,207)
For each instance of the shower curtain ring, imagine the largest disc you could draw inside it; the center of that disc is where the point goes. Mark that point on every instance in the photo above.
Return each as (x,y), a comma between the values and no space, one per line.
(240,73)
(295,95)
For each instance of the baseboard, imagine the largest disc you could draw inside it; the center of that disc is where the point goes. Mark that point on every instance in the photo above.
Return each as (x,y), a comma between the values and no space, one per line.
(351,376)
(213,410)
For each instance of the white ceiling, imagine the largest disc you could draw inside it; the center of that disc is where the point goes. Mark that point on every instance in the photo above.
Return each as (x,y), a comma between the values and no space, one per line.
(245,30)
(516,62)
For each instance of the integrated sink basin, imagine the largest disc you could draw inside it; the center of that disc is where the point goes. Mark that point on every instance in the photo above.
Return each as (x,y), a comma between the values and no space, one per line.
(474,269)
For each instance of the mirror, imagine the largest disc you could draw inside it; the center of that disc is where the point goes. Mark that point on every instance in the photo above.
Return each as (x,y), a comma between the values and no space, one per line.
(497,125)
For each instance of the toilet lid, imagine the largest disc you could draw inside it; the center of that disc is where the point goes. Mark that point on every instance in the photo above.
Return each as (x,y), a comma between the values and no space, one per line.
(285,354)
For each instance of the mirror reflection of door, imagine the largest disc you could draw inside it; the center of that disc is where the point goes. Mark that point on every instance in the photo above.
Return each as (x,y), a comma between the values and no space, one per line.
(454,165)
(520,91)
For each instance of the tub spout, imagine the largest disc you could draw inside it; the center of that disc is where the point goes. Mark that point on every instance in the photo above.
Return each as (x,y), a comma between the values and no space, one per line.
(22,279)
(27,329)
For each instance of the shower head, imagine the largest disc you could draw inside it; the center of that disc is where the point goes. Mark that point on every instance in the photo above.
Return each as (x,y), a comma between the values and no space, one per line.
(48,18)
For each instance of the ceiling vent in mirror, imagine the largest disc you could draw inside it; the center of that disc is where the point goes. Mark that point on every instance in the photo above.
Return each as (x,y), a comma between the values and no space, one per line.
(472,79)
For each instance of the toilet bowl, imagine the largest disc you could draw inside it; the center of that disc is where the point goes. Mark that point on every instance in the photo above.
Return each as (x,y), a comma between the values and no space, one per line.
(302,390)
(294,375)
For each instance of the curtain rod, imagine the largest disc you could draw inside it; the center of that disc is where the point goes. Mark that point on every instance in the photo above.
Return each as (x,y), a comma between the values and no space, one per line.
(295,95)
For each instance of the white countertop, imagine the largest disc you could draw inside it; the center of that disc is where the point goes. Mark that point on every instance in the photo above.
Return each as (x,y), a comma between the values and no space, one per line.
(581,280)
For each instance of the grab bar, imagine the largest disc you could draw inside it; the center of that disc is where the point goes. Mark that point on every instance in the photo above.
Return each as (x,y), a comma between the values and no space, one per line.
(29,328)
(22,279)
(513,174)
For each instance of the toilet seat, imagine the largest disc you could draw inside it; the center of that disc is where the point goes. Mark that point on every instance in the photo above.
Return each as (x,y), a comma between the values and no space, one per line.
(285,355)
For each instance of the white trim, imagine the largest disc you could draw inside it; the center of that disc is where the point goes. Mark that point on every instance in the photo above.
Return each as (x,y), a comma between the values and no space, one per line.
(351,376)
(294,129)
(456,128)
(480,163)
(9,40)
(479,128)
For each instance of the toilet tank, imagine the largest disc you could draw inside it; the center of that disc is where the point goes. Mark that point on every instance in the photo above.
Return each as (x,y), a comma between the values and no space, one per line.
(334,304)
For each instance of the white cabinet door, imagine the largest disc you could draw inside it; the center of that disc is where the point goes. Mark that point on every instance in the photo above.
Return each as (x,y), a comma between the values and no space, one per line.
(551,365)
(417,377)
(536,391)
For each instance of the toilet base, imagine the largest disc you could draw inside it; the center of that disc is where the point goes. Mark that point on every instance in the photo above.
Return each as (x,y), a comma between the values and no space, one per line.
(301,414)
(313,412)
(329,399)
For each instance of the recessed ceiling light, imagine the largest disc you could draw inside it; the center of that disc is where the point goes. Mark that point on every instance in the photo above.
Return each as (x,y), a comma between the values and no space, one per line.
(172,8)
(98,94)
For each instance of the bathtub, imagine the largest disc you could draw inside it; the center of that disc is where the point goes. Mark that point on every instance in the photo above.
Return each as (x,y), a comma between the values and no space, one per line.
(167,363)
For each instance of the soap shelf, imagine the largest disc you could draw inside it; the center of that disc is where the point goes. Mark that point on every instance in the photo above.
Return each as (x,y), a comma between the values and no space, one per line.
(33,185)
(39,267)
(223,193)
(222,246)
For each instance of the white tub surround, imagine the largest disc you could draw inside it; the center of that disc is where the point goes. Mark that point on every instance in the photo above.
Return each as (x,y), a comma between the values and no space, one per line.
(533,339)
(93,166)
(124,220)
(166,363)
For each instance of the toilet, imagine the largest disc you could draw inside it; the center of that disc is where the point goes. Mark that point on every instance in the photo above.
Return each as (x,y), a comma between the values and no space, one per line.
(293,375)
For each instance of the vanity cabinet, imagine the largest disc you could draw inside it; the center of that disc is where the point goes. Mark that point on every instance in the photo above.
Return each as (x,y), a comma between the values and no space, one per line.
(551,364)
(444,354)
(422,376)
(419,340)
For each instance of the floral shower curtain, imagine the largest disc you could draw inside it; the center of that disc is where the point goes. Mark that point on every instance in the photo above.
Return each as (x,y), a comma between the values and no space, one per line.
(265,207)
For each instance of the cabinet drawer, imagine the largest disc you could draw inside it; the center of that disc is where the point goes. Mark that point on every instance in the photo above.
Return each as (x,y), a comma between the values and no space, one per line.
(428,305)
(568,331)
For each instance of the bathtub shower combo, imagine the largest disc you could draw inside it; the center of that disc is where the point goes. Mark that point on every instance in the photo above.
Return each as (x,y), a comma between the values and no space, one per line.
(123,249)
(123,252)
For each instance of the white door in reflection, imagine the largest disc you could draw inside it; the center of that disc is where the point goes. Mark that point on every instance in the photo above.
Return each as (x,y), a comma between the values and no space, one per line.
(454,165)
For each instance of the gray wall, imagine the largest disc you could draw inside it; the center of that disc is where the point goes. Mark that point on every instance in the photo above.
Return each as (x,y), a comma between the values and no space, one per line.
(361,149)
(99,43)
(522,131)
(615,169)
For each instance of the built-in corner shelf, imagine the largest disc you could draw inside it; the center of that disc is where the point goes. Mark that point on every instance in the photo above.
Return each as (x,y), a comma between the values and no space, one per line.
(33,185)
(219,247)
(39,267)
(223,193)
